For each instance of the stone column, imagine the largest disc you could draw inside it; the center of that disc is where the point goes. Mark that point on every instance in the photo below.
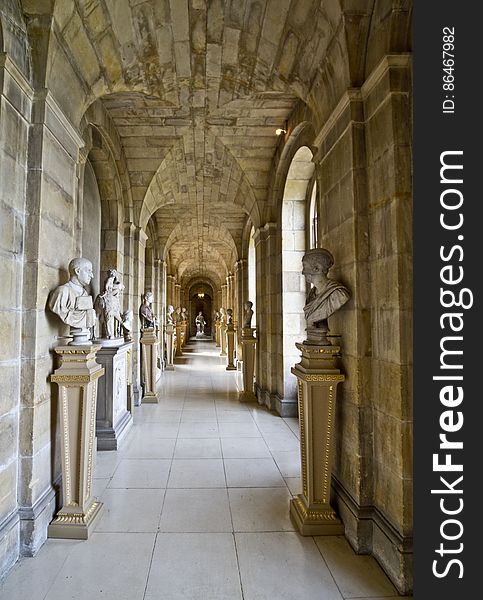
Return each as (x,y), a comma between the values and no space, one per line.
(169,347)
(177,294)
(217,333)
(230,347)
(248,342)
(139,246)
(170,290)
(77,380)
(317,379)
(149,351)
(224,295)
(113,418)
(241,284)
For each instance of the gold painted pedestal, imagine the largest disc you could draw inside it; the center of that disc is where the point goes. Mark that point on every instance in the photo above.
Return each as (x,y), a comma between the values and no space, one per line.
(169,347)
(230,348)
(317,380)
(248,342)
(77,380)
(217,334)
(149,351)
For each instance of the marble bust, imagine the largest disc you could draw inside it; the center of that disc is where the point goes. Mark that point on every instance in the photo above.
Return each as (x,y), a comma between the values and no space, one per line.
(222,316)
(229,313)
(325,297)
(184,315)
(148,320)
(248,314)
(73,304)
(169,314)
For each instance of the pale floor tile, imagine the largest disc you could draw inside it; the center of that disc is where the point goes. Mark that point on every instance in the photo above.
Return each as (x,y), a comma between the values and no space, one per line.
(238,430)
(294,484)
(198,430)
(130,510)
(264,558)
(141,473)
(252,472)
(31,578)
(260,509)
(98,487)
(158,430)
(357,576)
(281,443)
(197,448)
(140,447)
(106,463)
(196,510)
(234,416)
(194,566)
(111,566)
(288,462)
(197,473)
(244,448)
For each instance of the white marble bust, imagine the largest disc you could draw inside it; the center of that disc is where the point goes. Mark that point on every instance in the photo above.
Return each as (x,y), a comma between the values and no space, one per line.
(325,297)
(73,304)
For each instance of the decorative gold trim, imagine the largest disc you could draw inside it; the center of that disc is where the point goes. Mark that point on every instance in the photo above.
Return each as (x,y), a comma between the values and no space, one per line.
(303,450)
(92,426)
(77,378)
(307,349)
(65,419)
(326,479)
(322,377)
(75,518)
(327,514)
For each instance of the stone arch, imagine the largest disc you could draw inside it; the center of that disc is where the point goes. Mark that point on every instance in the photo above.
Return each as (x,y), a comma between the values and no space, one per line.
(389,32)
(303,134)
(102,158)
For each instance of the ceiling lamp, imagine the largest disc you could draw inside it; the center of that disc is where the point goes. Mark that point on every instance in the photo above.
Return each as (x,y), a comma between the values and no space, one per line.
(201,295)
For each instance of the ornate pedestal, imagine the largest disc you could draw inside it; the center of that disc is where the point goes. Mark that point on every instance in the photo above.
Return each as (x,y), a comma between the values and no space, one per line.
(217,333)
(149,352)
(113,418)
(317,380)
(179,340)
(223,328)
(77,380)
(248,343)
(169,347)
(230,348)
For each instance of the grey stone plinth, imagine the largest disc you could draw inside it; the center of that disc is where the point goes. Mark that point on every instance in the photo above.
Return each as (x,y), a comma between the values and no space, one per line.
(113,418)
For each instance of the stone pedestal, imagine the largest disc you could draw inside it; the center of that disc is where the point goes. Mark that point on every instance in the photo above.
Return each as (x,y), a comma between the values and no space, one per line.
(217,334)
(77,380)
(317,379)
(149,352)
(179,340)
(248,343)
(170,343)
(223,339)
(113,418)
(230,348)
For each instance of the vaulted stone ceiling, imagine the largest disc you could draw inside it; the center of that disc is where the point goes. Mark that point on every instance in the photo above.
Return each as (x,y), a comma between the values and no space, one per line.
(196,89)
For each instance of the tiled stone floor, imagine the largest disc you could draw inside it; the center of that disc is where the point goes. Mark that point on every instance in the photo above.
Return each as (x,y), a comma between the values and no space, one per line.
(196,505)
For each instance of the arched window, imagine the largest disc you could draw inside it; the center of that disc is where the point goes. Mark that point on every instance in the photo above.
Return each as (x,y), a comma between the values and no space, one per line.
(314,218)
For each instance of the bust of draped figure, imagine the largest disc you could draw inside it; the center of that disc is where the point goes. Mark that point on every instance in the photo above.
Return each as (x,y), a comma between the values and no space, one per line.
(325,297)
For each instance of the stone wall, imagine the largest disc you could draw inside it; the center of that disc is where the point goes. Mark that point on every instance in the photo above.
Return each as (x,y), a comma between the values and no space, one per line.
(15,110)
